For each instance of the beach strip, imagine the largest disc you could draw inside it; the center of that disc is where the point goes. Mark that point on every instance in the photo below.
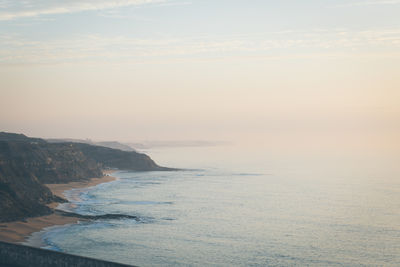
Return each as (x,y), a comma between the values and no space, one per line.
(19,231)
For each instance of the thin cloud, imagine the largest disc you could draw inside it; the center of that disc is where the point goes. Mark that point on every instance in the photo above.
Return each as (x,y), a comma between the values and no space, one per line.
(16,49)
(40,8)
(370,3)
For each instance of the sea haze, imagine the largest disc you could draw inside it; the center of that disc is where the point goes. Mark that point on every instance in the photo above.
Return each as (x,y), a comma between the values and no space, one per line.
(243,207)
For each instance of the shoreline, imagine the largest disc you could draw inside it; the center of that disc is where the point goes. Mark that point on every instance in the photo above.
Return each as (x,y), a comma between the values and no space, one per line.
(29,231)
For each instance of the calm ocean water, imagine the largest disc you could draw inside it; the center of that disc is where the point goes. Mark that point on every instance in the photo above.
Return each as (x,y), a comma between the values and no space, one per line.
(236,207)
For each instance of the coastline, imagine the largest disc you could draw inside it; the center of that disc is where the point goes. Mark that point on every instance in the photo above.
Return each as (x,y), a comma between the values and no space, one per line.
(24,231)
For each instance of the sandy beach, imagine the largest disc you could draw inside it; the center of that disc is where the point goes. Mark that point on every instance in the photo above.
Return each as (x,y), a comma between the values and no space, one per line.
(19,231)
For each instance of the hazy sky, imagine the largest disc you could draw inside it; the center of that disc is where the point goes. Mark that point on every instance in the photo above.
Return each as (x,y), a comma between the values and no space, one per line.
(203,69)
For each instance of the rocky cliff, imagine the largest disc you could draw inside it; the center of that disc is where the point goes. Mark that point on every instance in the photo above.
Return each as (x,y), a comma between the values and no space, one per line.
(26,164)
(123,160)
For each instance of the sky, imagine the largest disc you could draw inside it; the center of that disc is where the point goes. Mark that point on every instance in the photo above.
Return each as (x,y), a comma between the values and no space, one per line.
(313,72)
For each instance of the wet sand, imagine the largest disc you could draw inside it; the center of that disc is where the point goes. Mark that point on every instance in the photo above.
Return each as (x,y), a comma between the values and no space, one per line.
(19,231)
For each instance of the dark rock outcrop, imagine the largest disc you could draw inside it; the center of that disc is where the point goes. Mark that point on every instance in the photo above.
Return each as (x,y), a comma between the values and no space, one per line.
(98,217)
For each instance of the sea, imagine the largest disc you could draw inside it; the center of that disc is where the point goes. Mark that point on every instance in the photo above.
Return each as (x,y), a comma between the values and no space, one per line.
(238,206)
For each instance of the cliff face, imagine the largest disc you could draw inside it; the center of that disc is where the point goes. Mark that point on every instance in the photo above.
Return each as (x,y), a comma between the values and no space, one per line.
(26,164)
(21,193)
(50,163)
(123,160)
